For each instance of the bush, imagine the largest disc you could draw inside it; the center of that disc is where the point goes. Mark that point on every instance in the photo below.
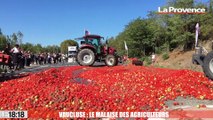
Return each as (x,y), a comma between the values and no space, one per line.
(165,56)
(142,59)
(158,50)
(147,60)
(161,49)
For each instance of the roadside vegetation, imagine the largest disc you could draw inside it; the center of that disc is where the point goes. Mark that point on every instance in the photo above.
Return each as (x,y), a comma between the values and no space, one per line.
(163,33)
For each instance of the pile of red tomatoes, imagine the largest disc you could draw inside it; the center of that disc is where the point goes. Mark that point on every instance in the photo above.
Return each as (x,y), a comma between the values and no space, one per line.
(120,88)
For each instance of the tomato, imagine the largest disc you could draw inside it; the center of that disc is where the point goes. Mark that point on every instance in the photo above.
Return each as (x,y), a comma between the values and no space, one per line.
(120,88)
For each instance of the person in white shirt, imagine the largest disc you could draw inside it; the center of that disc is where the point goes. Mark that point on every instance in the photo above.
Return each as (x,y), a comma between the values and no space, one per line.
(15,49)
(15,55)
(153,58)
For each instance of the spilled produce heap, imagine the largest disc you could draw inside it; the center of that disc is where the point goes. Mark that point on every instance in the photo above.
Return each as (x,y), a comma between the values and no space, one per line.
(120,88)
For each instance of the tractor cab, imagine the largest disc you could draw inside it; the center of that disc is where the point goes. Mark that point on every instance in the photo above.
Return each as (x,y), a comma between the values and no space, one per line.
(95,41)
(92,41)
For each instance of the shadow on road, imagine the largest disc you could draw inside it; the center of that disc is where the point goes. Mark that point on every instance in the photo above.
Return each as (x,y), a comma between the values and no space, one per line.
(11,76)
(98,65)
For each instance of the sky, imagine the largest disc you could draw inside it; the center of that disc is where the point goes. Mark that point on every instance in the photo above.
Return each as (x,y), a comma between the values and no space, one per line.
(50,22)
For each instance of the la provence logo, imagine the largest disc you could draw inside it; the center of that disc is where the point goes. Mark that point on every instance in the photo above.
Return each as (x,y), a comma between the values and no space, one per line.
(173,10)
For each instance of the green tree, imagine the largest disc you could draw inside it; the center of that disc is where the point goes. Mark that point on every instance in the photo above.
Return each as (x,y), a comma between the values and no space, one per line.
(139,36)
(180,28)
(165,32)
(3,42)
(8,39)
(38,48)
(28,47)
(211,7)
(14,39)
(52,49)
(1,32)
(64,45)
(20,36)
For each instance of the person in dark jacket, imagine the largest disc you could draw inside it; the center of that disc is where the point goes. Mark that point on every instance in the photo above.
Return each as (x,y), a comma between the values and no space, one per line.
(7,50)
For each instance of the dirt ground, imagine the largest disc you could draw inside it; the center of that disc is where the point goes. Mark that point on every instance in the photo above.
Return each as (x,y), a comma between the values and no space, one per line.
(178,60)
(182,60)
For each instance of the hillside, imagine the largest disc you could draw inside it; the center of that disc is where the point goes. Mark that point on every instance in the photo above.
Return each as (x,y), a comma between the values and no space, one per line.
(178,60)
(181,60)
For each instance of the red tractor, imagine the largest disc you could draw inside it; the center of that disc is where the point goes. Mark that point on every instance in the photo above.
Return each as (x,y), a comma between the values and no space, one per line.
(91,49)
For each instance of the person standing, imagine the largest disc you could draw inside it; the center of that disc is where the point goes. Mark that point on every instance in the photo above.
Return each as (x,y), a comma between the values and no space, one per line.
(22,59)
(7,49)
(153,58)
(16,56)
(28,58)
(49,58)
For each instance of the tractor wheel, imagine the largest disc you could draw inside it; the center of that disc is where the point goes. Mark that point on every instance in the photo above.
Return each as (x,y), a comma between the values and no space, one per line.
(86,57)
(111,60)
(208,65)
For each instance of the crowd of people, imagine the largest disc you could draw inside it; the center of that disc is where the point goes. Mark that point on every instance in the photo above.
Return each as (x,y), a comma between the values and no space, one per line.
(20,58)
